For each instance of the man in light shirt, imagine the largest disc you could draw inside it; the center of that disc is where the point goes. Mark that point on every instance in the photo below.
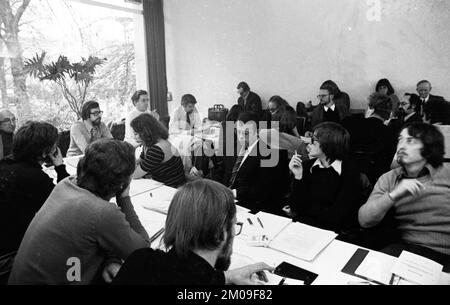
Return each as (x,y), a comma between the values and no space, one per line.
(90,129)
(140,101)
(185,118)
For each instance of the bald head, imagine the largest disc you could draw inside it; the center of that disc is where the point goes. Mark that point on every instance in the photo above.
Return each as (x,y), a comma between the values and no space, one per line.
(7,121)
(423,88)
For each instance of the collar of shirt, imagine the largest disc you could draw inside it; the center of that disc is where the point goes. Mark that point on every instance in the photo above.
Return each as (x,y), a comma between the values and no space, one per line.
(428,170)
(247,152)
(332,107)
(89,126)
(425,99)
(336,165)
(246,94)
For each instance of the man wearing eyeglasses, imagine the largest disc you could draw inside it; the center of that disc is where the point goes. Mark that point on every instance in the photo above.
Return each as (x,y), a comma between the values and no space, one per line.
(199,234)
(90,129)
(7,127)
(328,110)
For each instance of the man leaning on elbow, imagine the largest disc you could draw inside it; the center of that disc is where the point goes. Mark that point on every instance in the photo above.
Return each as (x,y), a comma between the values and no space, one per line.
(417,192)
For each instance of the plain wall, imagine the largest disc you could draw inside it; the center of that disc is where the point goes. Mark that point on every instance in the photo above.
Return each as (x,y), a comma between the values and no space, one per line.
(289,47)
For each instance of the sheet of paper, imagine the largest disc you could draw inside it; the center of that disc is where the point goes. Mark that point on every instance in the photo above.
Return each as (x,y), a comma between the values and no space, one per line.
(139,186)
(272,224)
(152,221)
(302,241)
(158,199)
(417,269)
(376,266)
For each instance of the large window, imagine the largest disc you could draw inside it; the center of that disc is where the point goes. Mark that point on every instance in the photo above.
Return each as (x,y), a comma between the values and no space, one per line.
(110,30)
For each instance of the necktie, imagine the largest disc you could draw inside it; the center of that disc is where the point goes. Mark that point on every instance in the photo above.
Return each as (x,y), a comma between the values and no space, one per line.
(188,120)
(236,167)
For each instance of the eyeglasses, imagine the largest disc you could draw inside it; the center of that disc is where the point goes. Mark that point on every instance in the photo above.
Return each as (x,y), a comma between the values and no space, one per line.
(404,104)
(322,95)
(8,120)
(97,113)
(238,228)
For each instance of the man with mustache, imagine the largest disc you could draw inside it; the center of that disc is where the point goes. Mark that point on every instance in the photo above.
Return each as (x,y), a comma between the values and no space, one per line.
(90,129)
(416,194)
(199,234)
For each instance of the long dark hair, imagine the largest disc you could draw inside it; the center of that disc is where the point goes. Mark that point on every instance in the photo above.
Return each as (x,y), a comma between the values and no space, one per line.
(149,129)
(32,140)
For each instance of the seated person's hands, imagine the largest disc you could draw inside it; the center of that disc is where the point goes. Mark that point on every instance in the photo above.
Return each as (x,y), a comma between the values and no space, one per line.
(248,275)
(195,172)
(110,271)
(296,167)
(155,114)
(287,209)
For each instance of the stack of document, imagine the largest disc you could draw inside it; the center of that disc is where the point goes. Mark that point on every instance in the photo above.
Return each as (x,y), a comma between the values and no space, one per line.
(158,199)
(407,269)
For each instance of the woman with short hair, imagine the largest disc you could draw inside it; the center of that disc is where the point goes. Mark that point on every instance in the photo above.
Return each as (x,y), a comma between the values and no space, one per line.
(327,191)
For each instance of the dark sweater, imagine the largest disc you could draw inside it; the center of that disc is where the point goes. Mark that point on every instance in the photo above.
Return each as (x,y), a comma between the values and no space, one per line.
(331,116)
(24,187)
(326,200)
(155,267)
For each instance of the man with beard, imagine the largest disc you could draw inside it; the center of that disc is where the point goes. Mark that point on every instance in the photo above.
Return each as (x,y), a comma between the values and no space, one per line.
(416,195)
(87,131)
(7,127)
(199,233)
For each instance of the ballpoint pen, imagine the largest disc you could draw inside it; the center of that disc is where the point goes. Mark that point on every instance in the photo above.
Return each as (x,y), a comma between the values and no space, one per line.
(259,220)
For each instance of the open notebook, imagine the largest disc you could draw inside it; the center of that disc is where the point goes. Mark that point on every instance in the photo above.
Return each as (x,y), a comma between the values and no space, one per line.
(281,234)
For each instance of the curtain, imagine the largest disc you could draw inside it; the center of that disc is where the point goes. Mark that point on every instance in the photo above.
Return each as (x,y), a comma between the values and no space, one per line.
(156,55)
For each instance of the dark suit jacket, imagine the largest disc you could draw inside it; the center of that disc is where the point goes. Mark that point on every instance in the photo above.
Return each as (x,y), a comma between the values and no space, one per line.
(253,103)
(372,145)
(259,187)
(317,115)
(437,110)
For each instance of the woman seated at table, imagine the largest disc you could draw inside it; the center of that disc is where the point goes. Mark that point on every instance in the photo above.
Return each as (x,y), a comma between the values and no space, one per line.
(327,190)
(159,159)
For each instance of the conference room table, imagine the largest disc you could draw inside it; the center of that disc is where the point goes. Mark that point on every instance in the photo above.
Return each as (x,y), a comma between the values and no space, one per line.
(327,264)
